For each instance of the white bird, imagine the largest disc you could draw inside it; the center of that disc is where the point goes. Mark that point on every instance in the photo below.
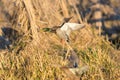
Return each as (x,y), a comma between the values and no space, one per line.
(64,31)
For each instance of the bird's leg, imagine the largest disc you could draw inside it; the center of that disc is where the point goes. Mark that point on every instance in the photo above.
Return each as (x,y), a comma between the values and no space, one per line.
(63,44)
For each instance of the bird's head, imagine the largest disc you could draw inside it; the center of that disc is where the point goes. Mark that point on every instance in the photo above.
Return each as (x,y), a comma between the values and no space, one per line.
(53,29)
(46,29)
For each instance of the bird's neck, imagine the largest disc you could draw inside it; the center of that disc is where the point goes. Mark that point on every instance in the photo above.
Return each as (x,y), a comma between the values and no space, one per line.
(55,28)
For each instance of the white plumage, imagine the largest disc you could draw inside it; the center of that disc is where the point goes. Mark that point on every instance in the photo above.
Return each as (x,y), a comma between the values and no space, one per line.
(68,27)
(64,31)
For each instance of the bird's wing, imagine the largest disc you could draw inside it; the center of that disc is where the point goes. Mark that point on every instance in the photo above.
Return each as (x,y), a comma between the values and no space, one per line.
(75,26)
(68,27)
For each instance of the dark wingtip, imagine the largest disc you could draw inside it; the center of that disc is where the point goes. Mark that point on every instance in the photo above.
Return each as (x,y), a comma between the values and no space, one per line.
(67,19)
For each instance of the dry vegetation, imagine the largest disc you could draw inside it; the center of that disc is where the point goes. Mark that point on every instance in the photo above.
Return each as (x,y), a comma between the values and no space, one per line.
(37,55)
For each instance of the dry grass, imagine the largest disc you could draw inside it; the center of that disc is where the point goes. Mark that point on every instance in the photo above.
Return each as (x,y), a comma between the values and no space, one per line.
(43,61)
